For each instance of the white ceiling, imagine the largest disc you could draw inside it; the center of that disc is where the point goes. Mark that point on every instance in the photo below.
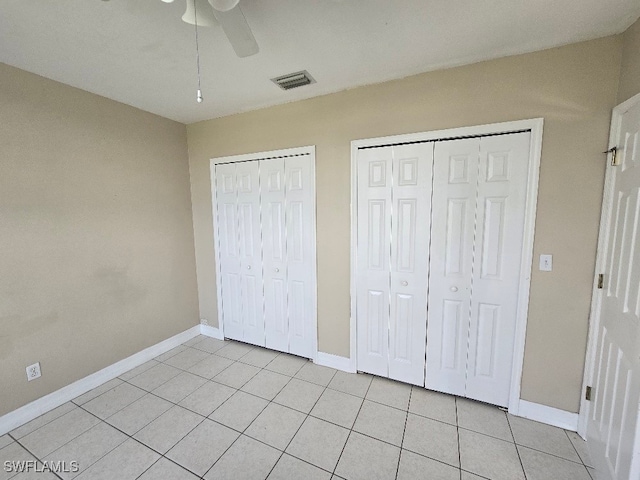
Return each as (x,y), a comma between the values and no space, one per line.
(139,52)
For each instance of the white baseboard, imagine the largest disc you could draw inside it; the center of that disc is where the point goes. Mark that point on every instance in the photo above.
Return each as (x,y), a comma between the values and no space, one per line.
(211,332)
(335,361)
(22,415)
(549,415)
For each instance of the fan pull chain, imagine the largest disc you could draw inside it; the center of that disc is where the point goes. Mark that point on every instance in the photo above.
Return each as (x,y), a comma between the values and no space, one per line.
(195,14)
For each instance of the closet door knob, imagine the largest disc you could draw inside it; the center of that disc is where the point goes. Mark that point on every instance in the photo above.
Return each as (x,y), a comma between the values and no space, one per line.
(405,283)
(454,289)
(277,270)
(248,267)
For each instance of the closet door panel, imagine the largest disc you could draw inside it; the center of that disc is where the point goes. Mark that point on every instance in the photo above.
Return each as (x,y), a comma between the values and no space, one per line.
(455,174)
(274,236)
(301,257)
(229,250)
(251,280)
(411,198)
(373,259)
(502,187)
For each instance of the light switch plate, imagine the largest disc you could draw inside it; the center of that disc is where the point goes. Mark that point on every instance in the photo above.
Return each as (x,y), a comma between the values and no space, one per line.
(546,263)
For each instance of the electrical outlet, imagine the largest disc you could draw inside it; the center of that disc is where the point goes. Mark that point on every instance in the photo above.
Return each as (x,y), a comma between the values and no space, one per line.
(204,321)
(33,371)
(546,263)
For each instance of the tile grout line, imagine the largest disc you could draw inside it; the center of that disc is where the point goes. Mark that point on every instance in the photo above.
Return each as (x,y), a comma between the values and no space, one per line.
(351,429)
(576,450)
(458,428)
(579,456)
(524,473)
(549,454)
(404,431)
(455,403)
(325,388)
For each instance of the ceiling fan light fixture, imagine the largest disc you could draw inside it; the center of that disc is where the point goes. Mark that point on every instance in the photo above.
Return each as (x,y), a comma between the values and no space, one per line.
(223,5)
(206,18)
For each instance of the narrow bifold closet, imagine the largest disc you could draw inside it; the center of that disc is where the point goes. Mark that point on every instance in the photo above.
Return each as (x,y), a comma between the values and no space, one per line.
(264,208)
(439,253)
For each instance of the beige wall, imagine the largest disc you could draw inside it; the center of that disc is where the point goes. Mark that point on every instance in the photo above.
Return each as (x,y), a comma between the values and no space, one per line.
(96,240)
(573,88)
(630,71)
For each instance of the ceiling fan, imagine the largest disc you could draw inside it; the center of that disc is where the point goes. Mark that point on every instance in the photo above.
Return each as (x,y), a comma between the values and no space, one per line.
(229,16)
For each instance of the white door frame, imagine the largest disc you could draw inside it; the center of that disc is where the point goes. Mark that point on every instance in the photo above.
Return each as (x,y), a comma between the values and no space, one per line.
(535,150)
(601,261)
(288,152)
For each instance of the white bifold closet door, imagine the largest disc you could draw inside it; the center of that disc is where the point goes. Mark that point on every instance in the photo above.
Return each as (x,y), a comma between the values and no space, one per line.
(288,250)
(240,251)
(266,218)
(394,193)
(453,219)
(439,249)
(274,244)
(479,198)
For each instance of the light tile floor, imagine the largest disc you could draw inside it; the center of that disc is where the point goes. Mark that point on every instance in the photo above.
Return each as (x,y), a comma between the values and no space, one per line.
(226,410)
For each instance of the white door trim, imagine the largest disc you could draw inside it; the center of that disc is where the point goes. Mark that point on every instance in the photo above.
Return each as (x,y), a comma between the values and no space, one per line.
(603,239)
(535,150)
(288,152)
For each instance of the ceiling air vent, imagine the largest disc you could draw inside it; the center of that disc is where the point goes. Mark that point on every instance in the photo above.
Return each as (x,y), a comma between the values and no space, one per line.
(293,80)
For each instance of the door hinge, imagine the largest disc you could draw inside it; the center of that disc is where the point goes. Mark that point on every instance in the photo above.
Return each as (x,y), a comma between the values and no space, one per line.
(614,155)
(587,393)
(601,280)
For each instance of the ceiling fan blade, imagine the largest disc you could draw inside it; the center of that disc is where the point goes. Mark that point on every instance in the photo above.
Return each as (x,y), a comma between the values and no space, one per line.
(238,32)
